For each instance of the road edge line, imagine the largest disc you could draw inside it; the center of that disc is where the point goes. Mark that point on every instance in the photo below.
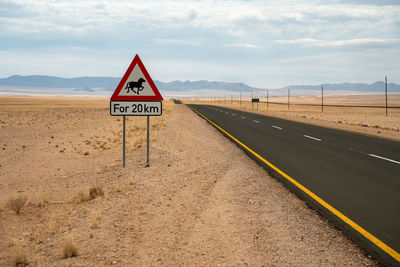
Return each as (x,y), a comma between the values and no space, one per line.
(394,254)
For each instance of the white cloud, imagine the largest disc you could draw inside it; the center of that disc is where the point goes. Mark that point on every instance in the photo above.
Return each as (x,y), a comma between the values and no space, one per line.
(341,43)
(245,45)
(179,42)
(77,36)
(200,14)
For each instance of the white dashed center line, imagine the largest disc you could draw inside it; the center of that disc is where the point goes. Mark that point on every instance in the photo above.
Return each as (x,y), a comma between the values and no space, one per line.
(379,157)
(243,117)
(276,127)
(313,138)
(233,114)
(256,121)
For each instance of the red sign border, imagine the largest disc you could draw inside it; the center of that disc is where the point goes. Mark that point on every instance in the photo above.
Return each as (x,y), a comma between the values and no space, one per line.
(156,97)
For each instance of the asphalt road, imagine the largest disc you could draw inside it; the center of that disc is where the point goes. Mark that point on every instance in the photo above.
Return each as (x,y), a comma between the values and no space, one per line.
(358,175)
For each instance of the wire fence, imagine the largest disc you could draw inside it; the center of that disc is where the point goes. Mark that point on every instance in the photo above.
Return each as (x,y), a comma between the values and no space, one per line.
(318,102)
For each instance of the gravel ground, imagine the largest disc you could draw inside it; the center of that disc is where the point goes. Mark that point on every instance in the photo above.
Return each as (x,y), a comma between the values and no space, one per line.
(202,202)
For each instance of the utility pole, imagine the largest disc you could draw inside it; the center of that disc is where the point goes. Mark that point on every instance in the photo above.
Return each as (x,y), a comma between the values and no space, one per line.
(322,94)
(386,95)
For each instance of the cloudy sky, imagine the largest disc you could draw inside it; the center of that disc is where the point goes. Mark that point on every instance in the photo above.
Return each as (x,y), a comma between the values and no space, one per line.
(267,44)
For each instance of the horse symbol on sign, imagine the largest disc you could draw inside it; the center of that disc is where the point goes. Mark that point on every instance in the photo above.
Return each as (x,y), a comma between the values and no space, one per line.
(132,85)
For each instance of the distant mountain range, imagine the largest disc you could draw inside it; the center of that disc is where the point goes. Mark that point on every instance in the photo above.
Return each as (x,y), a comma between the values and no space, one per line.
(40,81)
(105,85)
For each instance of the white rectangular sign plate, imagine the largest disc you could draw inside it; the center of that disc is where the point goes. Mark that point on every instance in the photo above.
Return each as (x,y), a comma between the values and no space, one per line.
(135,108)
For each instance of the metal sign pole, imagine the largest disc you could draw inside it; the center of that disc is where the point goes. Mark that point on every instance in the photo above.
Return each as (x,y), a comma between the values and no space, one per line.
(252,103)
(148,141)
(123,142)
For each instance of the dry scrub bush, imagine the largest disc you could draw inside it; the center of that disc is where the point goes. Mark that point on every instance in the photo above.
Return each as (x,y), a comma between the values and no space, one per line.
(17,203)
(20,259)
(96,192)
(69,249)
(86,195)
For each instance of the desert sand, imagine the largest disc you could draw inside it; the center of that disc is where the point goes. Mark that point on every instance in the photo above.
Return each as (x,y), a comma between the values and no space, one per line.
(202,201)
(370,121)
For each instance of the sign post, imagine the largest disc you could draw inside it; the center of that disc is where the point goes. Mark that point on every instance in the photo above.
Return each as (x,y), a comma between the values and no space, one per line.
(255,100)
(123,141)
(148,142)
(136,95)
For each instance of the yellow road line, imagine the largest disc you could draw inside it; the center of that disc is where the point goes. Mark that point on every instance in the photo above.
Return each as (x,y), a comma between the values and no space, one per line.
(355,226)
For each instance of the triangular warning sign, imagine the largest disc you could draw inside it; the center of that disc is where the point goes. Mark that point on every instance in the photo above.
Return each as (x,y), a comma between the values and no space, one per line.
(136,85)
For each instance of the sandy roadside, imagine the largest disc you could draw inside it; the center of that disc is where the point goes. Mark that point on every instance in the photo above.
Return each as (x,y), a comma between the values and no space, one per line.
(202,201)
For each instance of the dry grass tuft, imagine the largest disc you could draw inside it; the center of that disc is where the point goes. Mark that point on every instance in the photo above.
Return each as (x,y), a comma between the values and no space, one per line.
(17,203)
(20,259)
(86,195)
(13,242)
(37,261)
(52,226)
(82,196)
(96,192)
(42,200)
(117,188)
(95,219)
(69,249)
